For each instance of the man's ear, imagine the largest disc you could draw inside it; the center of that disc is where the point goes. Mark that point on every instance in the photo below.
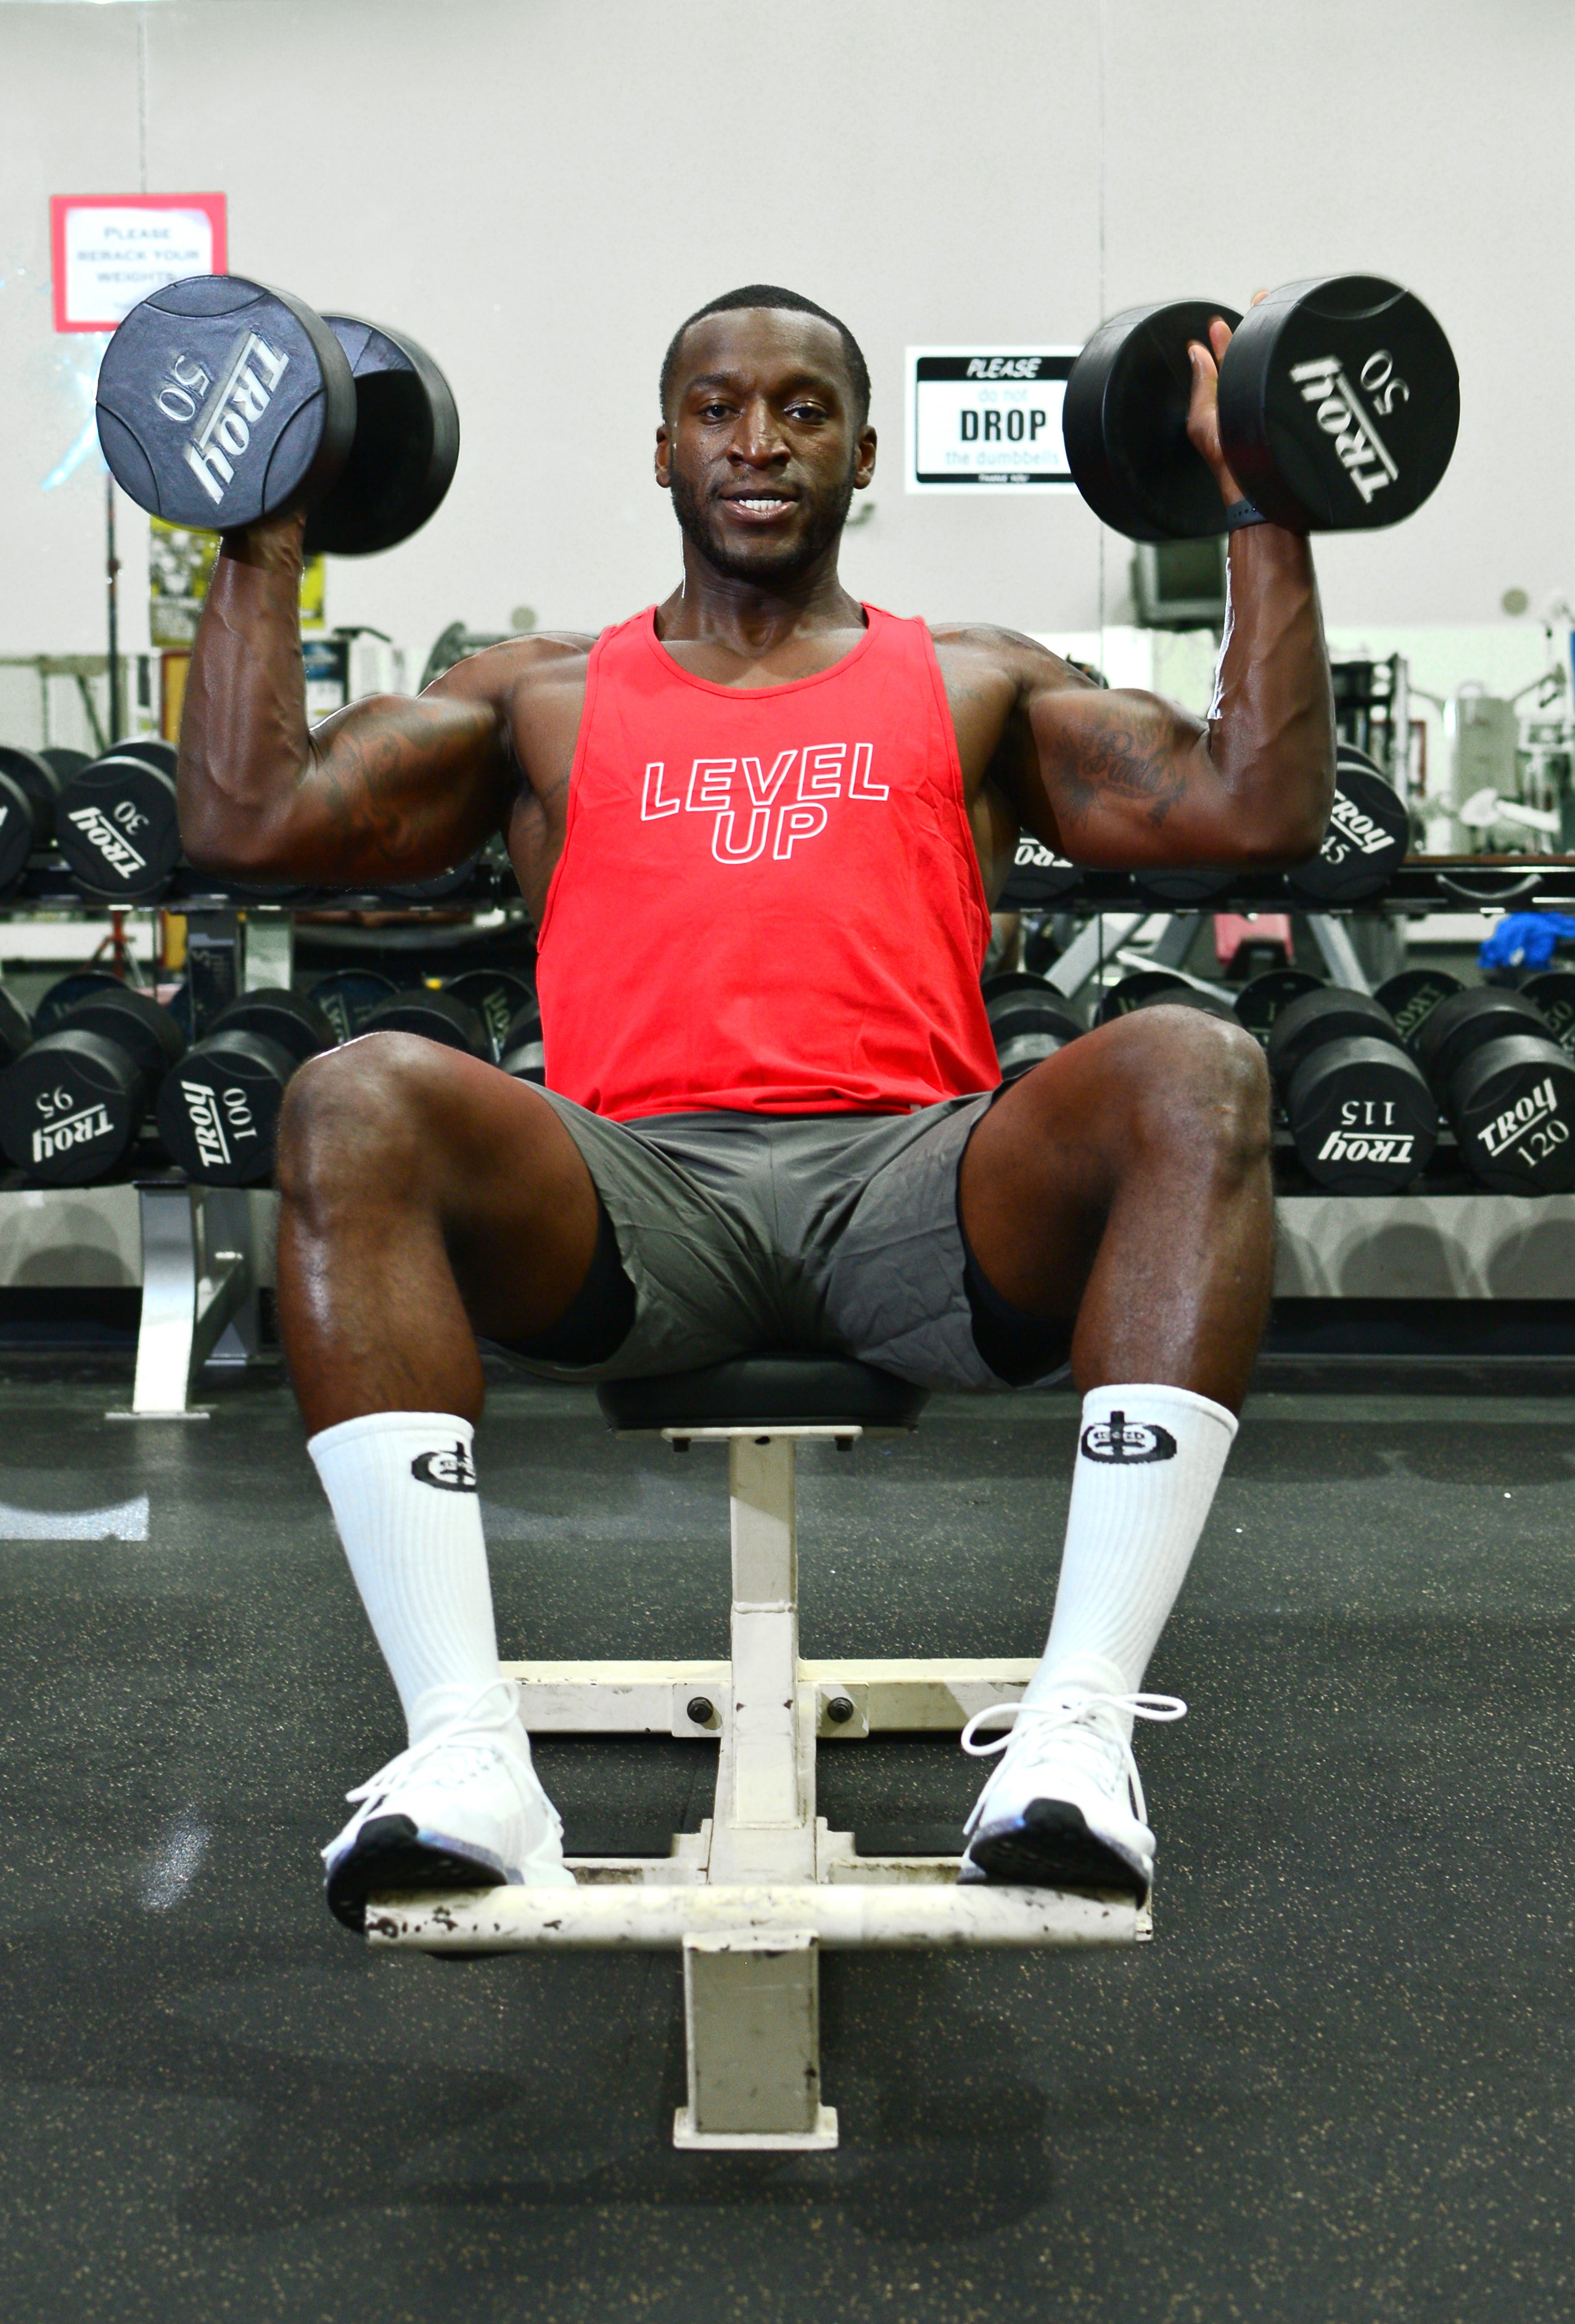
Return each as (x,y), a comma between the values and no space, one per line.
(664,458)
(864,462)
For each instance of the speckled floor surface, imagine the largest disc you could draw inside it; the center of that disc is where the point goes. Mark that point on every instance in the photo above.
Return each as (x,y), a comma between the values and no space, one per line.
(1338,2086)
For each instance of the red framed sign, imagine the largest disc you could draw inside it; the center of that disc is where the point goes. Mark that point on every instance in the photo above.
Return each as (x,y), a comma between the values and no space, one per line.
(110,250)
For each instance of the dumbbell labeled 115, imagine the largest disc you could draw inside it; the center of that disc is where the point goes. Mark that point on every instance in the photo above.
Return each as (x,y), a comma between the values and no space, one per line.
(222,402)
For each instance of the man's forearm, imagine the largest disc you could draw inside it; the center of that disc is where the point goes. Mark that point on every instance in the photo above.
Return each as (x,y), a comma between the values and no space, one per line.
(1271,728)
(243,737)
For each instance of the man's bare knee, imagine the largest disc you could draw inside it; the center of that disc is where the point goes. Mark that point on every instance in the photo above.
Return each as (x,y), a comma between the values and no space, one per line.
(352,1109)
(1194,1080)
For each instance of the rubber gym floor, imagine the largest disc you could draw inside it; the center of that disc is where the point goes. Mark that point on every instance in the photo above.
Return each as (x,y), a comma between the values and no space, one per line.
(1336,2086)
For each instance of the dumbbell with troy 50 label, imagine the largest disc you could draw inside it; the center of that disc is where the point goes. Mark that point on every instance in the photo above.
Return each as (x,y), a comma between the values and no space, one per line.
(1338,407)
(221,402)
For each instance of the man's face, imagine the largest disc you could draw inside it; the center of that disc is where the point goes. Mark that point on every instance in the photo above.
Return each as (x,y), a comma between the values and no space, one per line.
(762,449)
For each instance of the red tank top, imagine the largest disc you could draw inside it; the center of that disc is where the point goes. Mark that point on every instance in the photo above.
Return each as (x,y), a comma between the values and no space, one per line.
(769,898)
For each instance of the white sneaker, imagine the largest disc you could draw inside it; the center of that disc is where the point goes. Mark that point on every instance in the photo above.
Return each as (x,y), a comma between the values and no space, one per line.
(462,1809)
(1065,1807)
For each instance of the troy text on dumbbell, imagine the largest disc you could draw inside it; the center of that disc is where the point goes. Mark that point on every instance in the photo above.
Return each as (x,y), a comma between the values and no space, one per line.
(1340,413)
(220,424)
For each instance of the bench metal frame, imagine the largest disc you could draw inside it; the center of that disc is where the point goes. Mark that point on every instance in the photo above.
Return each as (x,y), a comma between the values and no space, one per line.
(753,1897)
(199,1293)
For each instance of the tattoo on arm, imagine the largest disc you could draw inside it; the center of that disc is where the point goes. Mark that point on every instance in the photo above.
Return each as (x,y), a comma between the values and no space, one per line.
(1135,768)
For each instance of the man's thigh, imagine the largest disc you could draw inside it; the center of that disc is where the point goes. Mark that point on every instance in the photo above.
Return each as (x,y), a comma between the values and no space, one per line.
(698,1256)
(899,1291)
(393,1140)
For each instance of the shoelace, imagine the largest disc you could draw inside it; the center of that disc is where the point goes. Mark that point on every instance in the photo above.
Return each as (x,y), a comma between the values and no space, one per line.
(494,1706)
(1089,1724)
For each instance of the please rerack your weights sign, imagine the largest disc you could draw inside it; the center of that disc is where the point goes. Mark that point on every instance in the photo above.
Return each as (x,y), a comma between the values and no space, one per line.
(110,250)
(987,417)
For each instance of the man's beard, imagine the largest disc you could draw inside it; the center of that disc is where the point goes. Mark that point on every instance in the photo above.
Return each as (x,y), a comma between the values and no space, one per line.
(704,529)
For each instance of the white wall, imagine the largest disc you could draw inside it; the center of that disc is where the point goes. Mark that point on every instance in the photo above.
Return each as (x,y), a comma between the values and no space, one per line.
(540,188)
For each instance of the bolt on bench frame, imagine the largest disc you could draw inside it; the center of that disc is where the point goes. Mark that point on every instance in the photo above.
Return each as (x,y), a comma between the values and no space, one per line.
(754,1897)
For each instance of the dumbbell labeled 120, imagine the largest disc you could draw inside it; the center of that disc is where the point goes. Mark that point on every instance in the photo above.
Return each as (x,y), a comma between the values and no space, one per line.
(222,402)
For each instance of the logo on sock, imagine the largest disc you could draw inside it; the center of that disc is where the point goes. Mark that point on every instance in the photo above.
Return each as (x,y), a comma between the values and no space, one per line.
(451,1472)
(1120,1439)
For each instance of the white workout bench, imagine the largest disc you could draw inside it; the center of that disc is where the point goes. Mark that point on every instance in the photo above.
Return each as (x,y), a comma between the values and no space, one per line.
(753,1897)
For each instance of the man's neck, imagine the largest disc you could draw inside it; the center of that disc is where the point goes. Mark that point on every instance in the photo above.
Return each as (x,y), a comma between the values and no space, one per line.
(750,618)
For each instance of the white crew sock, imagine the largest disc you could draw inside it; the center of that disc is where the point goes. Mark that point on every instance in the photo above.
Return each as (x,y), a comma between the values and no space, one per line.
(402,1489)
(1148,1460)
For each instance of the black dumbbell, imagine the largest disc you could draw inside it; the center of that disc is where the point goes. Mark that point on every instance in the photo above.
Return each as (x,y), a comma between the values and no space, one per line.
(1143,984)
(218,1116)
(1365,841)
(1039,876)
(348,997)
(1412,996)
(30,792)
(1262,998)
(117,828)
(497,995)
(403,453)
(1507,1088)
(437,1016)
(1029,1021)
(15,1028)
(64,762)
(72,1103)
(292,1019)
(1552,992)
(1186,996)
(523,1051)
(221,402)
(1360,1112)
(438,888)
(1338,407)
(152,749)
(61,997)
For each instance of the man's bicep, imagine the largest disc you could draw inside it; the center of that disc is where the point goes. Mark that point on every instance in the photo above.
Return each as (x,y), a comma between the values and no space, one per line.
(1122,776)
(398,788)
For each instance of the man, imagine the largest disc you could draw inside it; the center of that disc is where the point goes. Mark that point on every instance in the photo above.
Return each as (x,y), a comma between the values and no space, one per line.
(759,829)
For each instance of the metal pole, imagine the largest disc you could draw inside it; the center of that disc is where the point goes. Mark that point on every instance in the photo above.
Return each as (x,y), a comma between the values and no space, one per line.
(111,572)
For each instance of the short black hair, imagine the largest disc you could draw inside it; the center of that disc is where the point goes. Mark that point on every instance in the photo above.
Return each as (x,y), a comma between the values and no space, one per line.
(771,294)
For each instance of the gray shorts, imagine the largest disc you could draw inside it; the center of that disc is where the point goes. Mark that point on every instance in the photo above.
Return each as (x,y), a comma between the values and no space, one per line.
(742,1231)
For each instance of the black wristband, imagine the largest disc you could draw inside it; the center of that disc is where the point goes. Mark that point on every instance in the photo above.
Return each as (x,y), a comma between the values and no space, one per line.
(1242,513)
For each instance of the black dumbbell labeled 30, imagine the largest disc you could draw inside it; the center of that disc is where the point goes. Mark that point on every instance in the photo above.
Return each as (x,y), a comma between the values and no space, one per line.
(117,828)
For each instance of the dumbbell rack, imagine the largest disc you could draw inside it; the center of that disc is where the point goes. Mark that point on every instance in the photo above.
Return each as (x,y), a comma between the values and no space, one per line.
(202,1256)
